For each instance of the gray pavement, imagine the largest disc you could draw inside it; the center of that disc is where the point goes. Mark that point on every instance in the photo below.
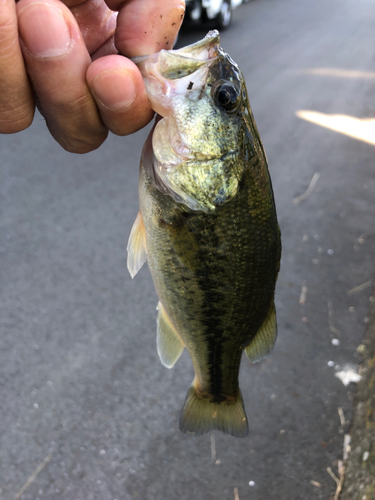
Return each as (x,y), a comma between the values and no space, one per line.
(86,406)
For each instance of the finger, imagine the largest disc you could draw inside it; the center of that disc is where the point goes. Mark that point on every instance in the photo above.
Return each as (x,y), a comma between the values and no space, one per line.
(16,99)
(96,22)
(119,91)
(57,59)
(146,26)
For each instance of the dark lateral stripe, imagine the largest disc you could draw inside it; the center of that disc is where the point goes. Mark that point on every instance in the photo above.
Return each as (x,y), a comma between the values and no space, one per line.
(213,302)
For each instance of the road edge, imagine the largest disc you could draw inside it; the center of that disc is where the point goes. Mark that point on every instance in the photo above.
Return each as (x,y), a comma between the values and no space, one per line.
(359,483)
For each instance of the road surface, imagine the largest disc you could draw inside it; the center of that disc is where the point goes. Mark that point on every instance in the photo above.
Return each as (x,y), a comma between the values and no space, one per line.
(87,410)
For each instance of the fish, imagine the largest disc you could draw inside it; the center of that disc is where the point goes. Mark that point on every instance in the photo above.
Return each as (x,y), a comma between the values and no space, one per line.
(207,226)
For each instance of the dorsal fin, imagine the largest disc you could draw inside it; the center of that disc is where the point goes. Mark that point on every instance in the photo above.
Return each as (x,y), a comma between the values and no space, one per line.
(262,344)
(137,253)
(168,341)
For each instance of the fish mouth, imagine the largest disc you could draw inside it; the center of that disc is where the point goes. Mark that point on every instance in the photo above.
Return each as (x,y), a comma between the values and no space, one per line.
(171,74)
(178,63)
(178,72)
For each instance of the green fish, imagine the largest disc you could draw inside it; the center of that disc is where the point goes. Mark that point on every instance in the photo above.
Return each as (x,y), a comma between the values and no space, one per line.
(208,228)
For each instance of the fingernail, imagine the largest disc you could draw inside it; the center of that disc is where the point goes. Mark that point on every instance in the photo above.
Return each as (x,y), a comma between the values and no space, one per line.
(115,89)
(44,31)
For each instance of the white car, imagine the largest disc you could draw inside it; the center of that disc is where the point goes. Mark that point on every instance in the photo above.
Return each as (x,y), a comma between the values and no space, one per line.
(218,10)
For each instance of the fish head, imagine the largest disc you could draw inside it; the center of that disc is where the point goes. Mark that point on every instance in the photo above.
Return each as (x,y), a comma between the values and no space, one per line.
(200,96)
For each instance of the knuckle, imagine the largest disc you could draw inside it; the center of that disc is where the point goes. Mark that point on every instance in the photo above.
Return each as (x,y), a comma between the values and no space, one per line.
(7,23)
(73,119)
(8,34)
(78,136)
(16,119)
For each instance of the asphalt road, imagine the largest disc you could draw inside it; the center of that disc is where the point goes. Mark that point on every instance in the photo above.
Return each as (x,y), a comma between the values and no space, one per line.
(86,405)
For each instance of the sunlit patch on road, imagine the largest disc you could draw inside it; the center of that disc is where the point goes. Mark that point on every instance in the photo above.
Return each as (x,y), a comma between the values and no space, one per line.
(362,129)
(339,73)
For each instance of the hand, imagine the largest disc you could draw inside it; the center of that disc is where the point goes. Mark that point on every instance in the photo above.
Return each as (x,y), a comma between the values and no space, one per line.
(66,55)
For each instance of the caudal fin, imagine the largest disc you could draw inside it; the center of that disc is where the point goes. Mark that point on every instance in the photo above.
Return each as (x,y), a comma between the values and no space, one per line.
(199,415)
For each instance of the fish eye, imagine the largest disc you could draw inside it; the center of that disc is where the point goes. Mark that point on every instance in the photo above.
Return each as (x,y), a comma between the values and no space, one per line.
(227,96)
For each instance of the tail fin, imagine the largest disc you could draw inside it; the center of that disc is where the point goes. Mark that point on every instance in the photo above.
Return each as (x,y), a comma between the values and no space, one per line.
(199,415)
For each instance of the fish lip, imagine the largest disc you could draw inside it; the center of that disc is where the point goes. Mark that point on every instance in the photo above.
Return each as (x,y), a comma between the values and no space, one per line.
(212,38)
(192,57)
(196,50)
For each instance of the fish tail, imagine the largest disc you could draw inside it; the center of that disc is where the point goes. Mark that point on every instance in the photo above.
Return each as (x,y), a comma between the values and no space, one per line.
(200,415)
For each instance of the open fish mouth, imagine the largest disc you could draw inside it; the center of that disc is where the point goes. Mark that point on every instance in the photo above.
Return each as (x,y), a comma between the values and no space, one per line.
(181,71)
(170,76)
(176,62)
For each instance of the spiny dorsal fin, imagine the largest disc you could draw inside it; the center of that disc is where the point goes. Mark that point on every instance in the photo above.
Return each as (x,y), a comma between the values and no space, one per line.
(137,254)
(265,338)
(168,341)
(200,415)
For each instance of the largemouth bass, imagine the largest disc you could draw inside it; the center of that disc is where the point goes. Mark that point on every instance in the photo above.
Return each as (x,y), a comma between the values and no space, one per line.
(207,226)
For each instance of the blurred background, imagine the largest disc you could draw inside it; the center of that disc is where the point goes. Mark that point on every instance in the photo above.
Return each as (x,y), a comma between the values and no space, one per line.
(87,410)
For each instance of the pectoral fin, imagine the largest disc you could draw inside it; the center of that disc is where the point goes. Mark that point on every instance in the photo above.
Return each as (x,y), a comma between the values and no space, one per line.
(262,344)
(137,254)
(168,341)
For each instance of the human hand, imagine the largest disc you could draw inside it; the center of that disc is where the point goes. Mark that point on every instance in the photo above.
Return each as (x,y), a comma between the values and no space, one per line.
(67,57)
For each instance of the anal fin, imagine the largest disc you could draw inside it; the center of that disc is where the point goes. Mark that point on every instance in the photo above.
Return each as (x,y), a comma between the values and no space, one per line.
(168,341)
(137,254)
(262,344)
